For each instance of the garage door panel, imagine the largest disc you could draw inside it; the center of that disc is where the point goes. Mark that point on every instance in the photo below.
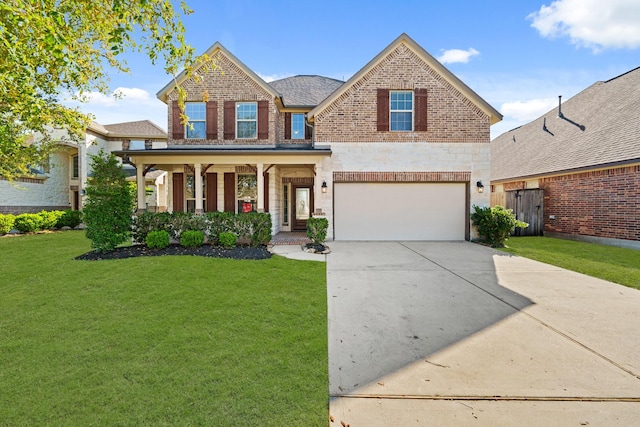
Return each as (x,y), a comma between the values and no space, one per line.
(399,211)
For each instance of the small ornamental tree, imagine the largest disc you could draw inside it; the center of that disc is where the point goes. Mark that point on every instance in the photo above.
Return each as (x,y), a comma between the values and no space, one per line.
(108,208)
(495,224)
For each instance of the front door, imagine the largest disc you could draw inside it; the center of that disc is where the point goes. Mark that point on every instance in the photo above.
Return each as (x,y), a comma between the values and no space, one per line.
(302,206)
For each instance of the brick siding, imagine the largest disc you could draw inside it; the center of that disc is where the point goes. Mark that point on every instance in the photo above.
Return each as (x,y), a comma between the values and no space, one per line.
(516,185)
(227,82)
(345,176)
(451,117)
(602,203)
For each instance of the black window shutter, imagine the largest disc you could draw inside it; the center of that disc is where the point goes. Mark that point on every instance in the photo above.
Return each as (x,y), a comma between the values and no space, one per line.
(287,125)
(420,119)
(383,110)
(177,128)
(263,119)
(212,120)
(229,120)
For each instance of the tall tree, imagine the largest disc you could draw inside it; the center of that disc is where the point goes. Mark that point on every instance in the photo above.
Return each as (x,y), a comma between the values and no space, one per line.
(51,49)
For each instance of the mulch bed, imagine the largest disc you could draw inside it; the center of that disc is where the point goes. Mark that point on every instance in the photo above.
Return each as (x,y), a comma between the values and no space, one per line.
(239,252)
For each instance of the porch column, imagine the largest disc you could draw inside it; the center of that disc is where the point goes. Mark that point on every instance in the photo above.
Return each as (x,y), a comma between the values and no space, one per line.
(260,177)
(198,189)
(142,202)
(317,188)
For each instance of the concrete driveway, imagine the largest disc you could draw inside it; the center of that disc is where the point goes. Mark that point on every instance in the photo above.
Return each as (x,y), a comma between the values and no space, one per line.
(454,333)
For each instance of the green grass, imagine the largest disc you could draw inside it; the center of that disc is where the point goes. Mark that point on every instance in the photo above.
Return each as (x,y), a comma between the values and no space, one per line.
(158,340)
(619,265)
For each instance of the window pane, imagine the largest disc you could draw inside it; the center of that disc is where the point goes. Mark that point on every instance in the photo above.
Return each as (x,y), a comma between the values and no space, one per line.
(196,110)
(297,126)
(247,129)
(247,111)
(196,129)
(247,187)
(401,121)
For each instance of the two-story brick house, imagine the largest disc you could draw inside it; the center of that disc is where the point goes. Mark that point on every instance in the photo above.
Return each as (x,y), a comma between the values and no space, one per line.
(399,151)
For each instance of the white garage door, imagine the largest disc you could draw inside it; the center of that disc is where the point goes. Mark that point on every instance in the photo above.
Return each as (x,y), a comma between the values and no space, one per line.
(399,211)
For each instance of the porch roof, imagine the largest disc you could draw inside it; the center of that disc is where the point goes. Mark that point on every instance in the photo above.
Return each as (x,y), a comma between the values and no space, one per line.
(226,155)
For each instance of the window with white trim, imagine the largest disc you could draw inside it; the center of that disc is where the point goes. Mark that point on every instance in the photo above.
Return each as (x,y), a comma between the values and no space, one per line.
(297,126)
(401,110)
(196,127)
(246,120)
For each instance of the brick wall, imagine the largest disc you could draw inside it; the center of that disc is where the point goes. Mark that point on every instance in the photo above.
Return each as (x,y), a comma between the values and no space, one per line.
(601,203)
(227,82)
(451,117)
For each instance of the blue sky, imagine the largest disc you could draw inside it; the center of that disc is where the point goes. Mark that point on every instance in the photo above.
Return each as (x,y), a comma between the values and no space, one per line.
(518,55)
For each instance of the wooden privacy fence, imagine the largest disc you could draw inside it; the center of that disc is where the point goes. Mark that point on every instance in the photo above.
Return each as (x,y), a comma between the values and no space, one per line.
(528,206)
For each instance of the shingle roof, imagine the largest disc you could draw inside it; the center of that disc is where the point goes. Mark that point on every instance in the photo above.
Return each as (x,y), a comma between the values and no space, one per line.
(138,128)
(610,114)
(305,91)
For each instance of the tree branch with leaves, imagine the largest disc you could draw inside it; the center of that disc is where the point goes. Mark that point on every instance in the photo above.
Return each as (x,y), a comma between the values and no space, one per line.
(56,49)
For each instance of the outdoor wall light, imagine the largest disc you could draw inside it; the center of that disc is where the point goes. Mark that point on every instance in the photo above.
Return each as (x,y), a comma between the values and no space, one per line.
(480,186)
(324,186)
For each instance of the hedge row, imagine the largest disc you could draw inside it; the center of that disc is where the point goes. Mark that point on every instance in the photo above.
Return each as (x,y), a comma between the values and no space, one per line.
(250,228)
(44,220)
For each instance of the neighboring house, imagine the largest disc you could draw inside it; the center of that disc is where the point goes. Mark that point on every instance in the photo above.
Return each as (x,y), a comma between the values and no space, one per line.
(585,157)
(396,152)
(59,185)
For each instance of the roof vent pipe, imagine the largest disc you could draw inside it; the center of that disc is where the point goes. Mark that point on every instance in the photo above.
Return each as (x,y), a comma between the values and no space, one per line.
(560,107)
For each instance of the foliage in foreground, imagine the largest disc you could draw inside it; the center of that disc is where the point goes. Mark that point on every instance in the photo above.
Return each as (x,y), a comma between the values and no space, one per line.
(618,265)
(175,340)
(49,48)
(495,224)
(108,208)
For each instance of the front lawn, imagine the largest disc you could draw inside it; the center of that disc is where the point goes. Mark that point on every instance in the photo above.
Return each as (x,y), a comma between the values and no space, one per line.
(617,265)
(176,340)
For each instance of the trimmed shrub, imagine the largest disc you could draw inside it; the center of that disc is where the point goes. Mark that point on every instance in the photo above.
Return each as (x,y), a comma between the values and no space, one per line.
(317,230)
(260,228)
(219,222)
(495,224)
(6,223)
(49,219)
(27,223)
(227,239)
(70,219)
(158,239)
(147,222)
(109,207)
(192,238)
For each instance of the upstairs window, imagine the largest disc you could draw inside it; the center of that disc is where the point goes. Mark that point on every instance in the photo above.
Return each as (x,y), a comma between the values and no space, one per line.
(75,167)
(401,111)
(297,126)
(196,127)
(246,120)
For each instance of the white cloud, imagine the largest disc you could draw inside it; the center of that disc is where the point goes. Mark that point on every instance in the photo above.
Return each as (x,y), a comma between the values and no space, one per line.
(457,55)
(594,24)
(124,104)
(271,77)
(526,111)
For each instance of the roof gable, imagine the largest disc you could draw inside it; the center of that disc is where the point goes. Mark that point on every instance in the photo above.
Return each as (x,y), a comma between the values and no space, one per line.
(405,40)
(599,126)
(214,50)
